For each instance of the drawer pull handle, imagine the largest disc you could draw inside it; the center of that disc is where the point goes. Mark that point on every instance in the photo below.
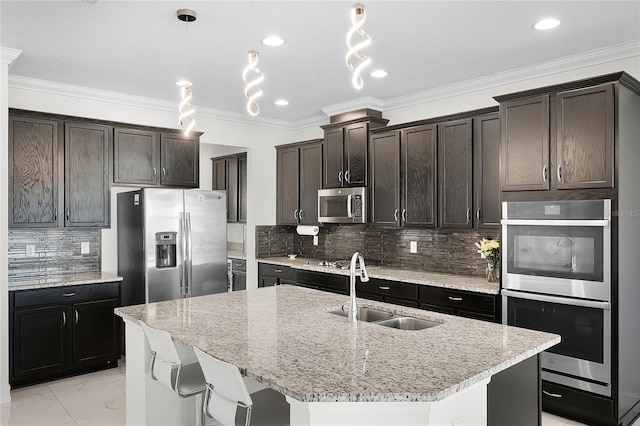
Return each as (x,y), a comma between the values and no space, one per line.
(383,287)
(64,318)
(455,299)
(68,294)
(554,395)
(277,270)
(76,316)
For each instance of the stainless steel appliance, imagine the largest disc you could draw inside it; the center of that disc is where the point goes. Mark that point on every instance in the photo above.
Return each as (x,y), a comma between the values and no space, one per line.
(172,243)
(556,269)
(342,205)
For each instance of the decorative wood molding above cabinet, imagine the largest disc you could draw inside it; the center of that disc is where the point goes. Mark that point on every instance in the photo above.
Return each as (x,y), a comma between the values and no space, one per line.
(230,174)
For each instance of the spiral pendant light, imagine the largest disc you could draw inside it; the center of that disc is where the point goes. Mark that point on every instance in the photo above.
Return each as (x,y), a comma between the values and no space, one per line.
(185,108)
(251,89)
(358,15)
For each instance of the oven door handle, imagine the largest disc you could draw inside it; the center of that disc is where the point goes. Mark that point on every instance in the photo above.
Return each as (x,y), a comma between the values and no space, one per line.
(553,299)
(556,222)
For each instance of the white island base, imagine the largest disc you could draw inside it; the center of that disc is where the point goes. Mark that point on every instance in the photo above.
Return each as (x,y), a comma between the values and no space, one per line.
(467,407)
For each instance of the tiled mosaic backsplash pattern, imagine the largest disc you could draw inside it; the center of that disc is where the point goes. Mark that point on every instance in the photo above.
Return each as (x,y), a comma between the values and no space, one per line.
(439,250)
(57,252)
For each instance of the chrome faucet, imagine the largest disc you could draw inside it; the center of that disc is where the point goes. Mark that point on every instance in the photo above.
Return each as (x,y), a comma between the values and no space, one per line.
(364,277)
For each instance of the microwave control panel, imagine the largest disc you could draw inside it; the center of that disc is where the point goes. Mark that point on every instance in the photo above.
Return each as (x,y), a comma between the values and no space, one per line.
(357,206)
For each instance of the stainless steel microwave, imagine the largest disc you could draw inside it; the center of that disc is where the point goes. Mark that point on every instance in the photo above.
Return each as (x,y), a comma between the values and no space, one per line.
(342,205)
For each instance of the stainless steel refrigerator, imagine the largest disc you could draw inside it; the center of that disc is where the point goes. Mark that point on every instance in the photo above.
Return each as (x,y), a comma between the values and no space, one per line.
(172,243)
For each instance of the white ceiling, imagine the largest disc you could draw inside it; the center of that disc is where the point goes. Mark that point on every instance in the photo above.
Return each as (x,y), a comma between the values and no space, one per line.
(138,48)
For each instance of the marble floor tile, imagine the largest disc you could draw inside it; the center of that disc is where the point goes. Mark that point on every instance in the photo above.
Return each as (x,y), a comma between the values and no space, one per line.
(110,418)
(45,411)
(30,393)
(112,376)
(90,402)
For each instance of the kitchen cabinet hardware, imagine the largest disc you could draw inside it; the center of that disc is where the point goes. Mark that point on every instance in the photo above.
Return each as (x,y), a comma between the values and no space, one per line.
(559,173)
(295,214)
(55,214)
(67,213)
(455,299)
(155,172)
(64,318)
(340,176)
(277,270)
(346,177)
(68,294)
(301,215)
(468,215)
(404,215)
(384,287)
(395,215)
(76,316)
(478,215)
(544,174)
(164,172)
(554,395)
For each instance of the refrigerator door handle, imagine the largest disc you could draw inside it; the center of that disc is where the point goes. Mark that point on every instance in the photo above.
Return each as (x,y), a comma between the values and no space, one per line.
(189,258)
(181,274)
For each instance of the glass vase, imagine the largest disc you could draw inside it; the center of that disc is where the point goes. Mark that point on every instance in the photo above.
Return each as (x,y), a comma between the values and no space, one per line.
(493,271)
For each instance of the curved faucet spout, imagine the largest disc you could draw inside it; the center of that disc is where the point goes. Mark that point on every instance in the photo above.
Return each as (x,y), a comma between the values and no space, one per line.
(356,260)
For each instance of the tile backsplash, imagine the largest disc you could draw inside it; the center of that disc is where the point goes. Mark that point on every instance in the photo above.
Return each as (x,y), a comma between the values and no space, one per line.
(57,252)
(438,250)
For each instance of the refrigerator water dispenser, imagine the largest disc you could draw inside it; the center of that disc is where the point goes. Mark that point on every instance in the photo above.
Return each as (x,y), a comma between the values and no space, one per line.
(165,249)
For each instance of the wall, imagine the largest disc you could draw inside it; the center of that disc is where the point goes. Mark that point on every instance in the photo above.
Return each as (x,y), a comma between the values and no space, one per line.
(439,250)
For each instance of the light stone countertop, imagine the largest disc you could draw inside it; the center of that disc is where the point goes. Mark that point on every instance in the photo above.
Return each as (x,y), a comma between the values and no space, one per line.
(61,280)
(435,279)
(236,254)
(283,337)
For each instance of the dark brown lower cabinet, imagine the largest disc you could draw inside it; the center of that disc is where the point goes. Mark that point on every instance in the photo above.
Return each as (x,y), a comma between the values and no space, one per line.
(62,331)
(462,303)
(270,275)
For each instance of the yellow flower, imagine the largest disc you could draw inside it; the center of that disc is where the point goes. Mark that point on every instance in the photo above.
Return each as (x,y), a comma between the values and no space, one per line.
(489,248)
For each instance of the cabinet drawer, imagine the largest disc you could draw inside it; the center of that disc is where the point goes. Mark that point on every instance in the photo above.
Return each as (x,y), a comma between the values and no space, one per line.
(238,265)
(389,289)
(576,403)
(65,294)
(324,281)
(458,298)
(283,272)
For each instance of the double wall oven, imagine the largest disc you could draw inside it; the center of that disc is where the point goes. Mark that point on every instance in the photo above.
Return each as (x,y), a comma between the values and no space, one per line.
(556,266)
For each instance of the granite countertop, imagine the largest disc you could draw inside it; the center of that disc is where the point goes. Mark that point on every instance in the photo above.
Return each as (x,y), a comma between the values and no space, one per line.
(435,279)
(283,337)
(60,280)
(236,254)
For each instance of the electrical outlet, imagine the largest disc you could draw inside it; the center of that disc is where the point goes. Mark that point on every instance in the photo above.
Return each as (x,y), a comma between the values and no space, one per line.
(315,240)
(413,246)
(31,250)
(84,247)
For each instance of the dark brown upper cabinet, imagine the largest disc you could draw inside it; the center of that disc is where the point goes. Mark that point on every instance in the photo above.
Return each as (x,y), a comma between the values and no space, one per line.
(455,173)
(33,172)
(136,156)
(486,170)
(147,157)
(86,164)
(525,143)
(562,137)
(59,172)
(179,160)
(230,175)
(346,142)
(403,177)
(299,177)
(585,138)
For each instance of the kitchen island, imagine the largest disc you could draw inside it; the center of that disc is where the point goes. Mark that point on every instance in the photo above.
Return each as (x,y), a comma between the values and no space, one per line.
(331,371)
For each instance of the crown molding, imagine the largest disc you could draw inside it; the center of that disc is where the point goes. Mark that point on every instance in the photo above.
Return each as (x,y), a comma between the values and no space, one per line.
(593,57)
(8,55)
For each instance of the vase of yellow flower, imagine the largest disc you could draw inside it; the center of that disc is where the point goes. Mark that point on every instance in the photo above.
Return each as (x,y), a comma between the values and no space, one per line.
(490,250)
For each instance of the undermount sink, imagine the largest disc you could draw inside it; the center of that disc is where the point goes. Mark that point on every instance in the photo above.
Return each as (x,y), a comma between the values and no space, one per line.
(387,319)
(408,323)
(365,314)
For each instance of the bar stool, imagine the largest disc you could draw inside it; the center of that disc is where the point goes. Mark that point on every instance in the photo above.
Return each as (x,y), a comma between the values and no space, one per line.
(226,391)
(175,366)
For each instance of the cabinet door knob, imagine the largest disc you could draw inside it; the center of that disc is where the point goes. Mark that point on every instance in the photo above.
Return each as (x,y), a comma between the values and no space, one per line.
(544,173)
(395,215)
(559,173)
(346,176)
(340,176)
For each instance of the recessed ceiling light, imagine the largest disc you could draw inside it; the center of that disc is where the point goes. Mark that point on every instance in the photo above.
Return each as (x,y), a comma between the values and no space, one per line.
(379,73)
(281,102)
(273,41)
(546,24)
